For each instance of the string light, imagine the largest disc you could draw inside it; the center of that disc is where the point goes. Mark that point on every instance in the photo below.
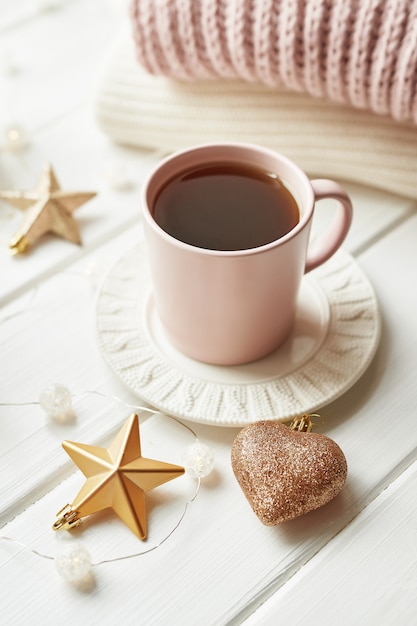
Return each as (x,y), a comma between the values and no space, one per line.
(73,560)
(56,401)
(16,138)
(198,460)
(118,175)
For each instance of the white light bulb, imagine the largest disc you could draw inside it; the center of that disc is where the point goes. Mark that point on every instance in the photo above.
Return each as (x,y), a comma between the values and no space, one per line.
(198,460)
(73,562)
(15,138)
(118,176)
(55,400)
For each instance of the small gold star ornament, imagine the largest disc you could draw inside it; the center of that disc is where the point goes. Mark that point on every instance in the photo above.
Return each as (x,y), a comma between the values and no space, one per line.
(117,478)
(48,210)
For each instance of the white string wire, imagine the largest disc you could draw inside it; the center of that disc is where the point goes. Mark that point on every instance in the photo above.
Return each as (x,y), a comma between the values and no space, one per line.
(138,408)
(26,547)
(171,532)
(178,522)
(118,558)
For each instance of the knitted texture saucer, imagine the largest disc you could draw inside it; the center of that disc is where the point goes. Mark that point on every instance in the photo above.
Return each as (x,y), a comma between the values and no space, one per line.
(361,52)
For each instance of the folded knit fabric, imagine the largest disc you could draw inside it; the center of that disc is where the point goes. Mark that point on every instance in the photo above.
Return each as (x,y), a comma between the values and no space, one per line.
(362,52)
(323,138)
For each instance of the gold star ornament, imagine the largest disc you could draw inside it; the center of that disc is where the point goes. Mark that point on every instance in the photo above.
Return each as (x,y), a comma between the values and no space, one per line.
(117,478)
(48,210)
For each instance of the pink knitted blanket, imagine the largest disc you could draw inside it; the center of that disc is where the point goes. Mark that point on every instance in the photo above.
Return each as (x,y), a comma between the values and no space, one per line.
(362,52)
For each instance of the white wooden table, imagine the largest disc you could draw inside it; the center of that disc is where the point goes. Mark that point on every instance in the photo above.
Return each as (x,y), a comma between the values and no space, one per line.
(351,562)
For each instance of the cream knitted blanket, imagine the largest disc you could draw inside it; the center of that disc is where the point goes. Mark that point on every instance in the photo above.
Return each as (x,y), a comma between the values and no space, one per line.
(324,138)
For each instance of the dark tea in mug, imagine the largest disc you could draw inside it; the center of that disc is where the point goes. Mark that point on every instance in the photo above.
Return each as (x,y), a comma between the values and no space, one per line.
(225,206)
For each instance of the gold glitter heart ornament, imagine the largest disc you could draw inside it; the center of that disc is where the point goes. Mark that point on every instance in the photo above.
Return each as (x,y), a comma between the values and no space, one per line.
(286,472)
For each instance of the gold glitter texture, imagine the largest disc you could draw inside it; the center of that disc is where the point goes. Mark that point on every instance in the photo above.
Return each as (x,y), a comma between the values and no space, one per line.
(285,473)
(48,209)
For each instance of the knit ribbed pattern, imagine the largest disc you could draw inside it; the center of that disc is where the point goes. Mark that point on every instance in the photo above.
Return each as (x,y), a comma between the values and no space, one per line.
(361,52)
(324,138)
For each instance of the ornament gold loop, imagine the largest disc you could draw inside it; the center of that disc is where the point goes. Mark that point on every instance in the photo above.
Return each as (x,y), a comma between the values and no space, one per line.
(305,423)
(19,244)
(66,518)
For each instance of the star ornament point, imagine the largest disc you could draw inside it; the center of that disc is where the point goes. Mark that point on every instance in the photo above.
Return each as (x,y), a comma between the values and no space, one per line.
(48,209)
(117,478)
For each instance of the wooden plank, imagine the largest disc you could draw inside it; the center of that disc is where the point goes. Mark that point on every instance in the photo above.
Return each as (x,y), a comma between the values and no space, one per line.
(221,563)
(374,421)
(53,340)
(366,575)
(56,55)
(222,557)
(80,155)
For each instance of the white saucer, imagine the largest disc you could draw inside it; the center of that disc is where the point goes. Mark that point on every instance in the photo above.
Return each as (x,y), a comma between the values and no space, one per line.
(335,336)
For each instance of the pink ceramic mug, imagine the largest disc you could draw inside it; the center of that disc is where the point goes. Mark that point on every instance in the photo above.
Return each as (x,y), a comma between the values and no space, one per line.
(232,307)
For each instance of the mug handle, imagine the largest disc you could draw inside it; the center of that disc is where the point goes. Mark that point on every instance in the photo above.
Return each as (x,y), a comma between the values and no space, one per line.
(335,235)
